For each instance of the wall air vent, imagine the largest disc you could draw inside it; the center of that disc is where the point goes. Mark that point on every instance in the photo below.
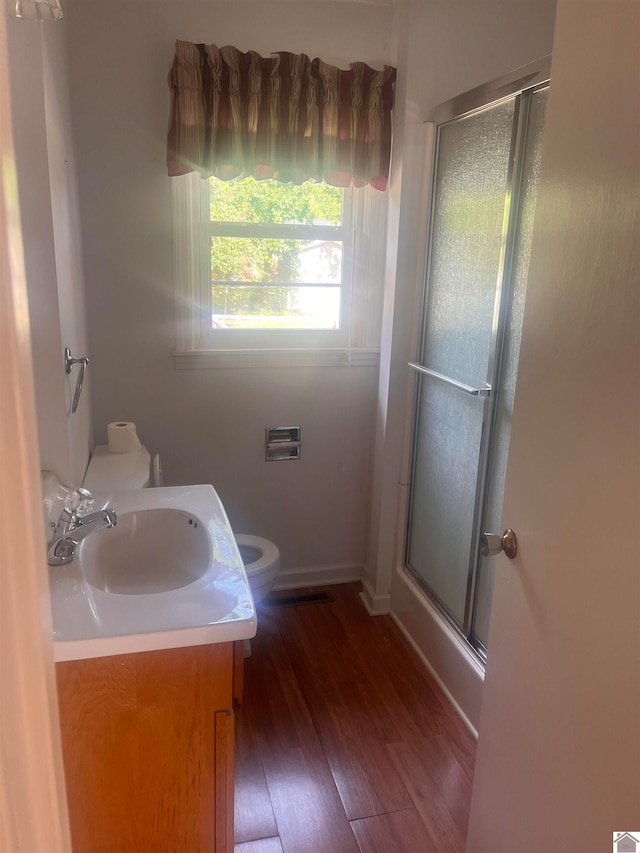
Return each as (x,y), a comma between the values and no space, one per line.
(282,443)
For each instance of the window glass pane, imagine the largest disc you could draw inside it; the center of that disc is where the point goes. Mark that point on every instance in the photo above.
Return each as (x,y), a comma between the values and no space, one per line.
(270,260)
(248,200)
(264,307)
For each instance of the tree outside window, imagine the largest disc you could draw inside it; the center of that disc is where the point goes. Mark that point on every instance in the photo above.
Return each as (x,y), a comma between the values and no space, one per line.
(275,254)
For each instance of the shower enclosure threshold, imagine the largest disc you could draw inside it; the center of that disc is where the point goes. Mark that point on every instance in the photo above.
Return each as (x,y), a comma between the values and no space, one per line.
(451,661)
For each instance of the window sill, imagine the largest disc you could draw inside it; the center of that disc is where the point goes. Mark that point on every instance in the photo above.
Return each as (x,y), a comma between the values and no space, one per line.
(254,358)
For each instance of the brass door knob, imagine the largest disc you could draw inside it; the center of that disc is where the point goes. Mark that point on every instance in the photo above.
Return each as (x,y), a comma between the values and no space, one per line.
(491,544)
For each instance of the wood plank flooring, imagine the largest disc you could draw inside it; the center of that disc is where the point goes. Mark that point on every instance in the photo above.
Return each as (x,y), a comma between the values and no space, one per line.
(344,743)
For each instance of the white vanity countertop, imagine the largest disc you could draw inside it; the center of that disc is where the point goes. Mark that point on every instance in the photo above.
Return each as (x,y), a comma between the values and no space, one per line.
(218,607)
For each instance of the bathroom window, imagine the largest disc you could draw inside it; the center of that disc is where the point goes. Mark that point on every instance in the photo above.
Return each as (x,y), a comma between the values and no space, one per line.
(272,273)
(278,255)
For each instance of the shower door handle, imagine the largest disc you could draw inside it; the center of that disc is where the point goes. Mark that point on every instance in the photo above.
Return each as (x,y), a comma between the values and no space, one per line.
(449,380)
(491,544)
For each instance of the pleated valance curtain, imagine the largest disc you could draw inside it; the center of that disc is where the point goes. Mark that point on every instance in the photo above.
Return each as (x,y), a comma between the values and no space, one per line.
(286,117)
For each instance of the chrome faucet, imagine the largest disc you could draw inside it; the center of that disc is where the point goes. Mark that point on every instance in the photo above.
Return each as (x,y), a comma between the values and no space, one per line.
(74,525)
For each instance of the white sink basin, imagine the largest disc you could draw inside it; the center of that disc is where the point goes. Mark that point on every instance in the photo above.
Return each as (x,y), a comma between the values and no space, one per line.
(168,575)
(151,550)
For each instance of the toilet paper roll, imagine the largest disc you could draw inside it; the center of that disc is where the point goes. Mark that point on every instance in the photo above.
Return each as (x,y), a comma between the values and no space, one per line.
(122,437)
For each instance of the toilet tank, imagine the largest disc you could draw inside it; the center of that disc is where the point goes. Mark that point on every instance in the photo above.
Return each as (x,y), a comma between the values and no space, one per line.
(108,472)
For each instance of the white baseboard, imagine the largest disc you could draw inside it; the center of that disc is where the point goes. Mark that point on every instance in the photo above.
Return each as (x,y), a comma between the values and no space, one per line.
(317,576)
(376,605)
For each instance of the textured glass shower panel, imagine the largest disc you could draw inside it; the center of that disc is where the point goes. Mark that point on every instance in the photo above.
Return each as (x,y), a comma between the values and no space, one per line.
(444,490)
(470,187)
(511,354)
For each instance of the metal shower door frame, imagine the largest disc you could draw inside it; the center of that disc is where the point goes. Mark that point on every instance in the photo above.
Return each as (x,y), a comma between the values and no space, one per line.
(518,86)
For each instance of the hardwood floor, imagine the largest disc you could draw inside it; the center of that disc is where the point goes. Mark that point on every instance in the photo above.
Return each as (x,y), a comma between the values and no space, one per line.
(344,743)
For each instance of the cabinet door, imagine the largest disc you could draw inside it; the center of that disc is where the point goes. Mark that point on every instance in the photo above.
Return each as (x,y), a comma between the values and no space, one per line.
(223,793)
(148,751)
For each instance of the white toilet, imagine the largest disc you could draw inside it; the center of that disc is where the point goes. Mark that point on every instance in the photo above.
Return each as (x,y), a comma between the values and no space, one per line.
(261,560)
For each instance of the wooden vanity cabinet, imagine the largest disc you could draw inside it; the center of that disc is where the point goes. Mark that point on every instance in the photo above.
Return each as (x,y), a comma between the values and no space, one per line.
(148,744)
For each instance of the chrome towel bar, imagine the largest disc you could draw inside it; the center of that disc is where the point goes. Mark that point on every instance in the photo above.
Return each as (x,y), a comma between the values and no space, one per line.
(448,380)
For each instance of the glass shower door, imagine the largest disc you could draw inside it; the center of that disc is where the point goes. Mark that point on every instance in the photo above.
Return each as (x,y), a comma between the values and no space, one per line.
(506,384)
(473,242)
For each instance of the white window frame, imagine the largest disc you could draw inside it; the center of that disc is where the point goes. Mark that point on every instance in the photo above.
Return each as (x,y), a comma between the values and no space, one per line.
(363,233)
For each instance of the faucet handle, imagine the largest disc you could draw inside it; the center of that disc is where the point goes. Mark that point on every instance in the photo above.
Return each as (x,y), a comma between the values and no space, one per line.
(78,502)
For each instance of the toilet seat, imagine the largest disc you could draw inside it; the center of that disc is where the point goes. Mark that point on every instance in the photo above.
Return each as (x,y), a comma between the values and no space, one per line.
(267,553)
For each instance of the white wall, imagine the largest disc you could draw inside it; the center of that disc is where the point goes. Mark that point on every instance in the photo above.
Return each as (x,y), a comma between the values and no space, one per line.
(67,238)
(208,424)
(49,214)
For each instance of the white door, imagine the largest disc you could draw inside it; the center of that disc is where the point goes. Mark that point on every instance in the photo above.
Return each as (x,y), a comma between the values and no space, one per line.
(33,814)
(558,764)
